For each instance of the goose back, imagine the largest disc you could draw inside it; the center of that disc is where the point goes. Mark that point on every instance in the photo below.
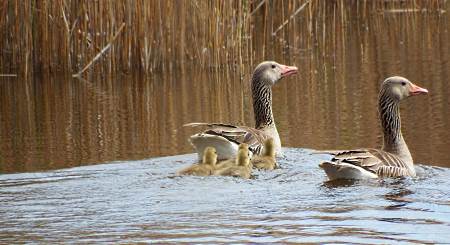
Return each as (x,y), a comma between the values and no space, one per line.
(379,162)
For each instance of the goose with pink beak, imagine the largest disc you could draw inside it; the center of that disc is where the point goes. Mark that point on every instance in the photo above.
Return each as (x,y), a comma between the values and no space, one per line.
(225,138)
(394,158)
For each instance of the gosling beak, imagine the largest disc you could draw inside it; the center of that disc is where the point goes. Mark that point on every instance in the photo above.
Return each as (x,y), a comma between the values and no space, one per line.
(288,70)
(416,90)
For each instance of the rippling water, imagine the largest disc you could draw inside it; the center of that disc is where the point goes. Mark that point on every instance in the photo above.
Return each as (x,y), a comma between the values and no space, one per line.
(53,123)
(143,201)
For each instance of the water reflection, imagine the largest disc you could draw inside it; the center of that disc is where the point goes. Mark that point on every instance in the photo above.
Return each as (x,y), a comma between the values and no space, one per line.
(333,184)
(51,122)
(399,197)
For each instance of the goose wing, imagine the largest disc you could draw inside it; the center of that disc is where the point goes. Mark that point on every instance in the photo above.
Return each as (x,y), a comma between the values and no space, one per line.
(381,163)
(237,134)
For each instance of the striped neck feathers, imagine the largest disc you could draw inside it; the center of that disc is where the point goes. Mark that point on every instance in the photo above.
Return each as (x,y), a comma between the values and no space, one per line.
(262,103)
(393,142)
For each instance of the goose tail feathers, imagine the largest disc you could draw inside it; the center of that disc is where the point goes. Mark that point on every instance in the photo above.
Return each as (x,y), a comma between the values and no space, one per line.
(225,148)
(343,170)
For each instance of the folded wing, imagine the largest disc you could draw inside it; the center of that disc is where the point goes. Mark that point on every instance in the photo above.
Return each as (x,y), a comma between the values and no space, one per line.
(378,162)
(235,134)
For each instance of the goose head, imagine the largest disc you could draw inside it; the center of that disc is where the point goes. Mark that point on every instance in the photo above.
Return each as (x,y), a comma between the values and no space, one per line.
(210,156)
(399,88)
(270,72)
(269,148)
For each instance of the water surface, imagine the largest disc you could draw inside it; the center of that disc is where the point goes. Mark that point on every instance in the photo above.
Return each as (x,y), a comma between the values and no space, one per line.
(142,201)
(71,150)
(51,122)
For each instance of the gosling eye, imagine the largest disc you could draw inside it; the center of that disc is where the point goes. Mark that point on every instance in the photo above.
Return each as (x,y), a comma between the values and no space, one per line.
(273,66)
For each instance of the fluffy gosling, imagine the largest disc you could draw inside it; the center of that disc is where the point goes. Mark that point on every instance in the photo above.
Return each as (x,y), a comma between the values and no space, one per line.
(267,161)
(241,168)
(232,161)
(205,168)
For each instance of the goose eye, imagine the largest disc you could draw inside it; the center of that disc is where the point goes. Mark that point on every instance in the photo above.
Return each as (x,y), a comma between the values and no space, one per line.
(403,83)
(273,66)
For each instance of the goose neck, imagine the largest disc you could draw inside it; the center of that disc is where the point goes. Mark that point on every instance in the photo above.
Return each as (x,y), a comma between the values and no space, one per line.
(393,141)
(262,104)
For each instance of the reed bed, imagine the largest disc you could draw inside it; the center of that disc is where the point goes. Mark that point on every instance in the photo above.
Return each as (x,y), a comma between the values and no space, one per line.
(139,36)
(50,122)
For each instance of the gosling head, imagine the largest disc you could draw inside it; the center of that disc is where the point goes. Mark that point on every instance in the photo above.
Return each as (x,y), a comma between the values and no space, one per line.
(399,88)
(269,72)
(269,148)
(210,156)
(242,158)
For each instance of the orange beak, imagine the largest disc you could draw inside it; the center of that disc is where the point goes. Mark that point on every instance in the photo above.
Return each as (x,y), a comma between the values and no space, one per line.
(416,90)
(288,70)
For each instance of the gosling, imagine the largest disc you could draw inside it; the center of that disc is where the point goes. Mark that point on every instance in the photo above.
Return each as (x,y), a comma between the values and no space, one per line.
(267,160)
(205,168)
(241,168)
(232,161)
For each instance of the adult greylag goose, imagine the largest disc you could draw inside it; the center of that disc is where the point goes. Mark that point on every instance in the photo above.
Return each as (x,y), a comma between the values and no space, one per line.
(226,138)
(394,158)
(204,168)
(242,168)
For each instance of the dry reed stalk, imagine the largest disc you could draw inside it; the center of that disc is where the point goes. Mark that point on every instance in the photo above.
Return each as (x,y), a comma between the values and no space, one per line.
(52,36)
(101,52)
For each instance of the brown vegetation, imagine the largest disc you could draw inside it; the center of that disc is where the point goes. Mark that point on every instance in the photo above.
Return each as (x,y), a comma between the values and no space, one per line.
(53,36)
(206,53)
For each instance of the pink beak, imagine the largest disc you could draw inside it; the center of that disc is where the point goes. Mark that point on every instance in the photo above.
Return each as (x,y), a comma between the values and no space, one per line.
(288,70)
(416,90)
